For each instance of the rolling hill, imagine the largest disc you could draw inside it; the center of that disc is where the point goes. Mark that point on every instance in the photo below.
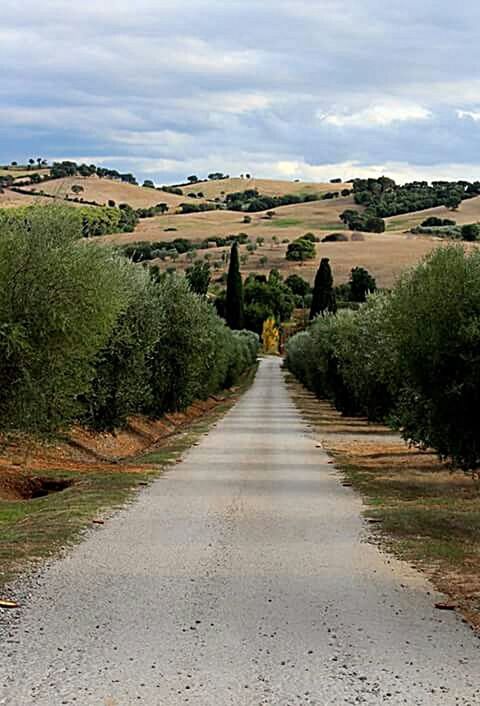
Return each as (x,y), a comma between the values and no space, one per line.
(288,222)
(19,172)
(384,255)
(104,190)
(268,187)
(467,212)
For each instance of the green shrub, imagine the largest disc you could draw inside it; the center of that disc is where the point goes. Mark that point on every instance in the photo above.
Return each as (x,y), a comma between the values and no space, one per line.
(86,335)
(59,301)
(121,385)
(300,250)
(435,312)
(471,232)
(411,357)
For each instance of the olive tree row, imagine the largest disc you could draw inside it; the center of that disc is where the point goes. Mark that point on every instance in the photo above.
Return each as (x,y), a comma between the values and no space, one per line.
(410,358)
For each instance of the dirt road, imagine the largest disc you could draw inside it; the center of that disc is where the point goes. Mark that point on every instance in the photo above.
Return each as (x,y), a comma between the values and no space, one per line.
(240,577)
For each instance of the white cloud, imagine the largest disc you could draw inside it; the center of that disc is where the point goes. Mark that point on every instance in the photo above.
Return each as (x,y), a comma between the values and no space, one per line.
(380,115)
(469,114)
(235,102)
(402,172)
(232,89)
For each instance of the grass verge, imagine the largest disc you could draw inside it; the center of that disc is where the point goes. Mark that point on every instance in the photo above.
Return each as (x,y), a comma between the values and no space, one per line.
(423,511)
(35,529)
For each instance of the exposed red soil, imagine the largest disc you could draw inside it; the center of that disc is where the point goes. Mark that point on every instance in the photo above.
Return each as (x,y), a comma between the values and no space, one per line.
(83,450)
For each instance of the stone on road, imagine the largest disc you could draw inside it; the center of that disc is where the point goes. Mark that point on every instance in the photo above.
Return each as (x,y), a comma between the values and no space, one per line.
(241,576)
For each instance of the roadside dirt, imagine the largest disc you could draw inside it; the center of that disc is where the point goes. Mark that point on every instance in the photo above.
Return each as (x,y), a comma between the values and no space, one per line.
(424,511)
(82,450)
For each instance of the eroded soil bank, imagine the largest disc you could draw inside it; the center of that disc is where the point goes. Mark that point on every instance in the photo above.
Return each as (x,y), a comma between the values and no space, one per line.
(50,492)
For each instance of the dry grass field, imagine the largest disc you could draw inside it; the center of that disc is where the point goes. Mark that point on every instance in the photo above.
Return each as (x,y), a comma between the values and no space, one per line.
(288,222)
(468,212)
(268,187)
(103,190)
(10,199)
(18,173)
(386,255)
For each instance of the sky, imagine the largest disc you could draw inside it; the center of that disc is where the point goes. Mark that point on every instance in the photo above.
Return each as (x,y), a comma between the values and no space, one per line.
(307,89)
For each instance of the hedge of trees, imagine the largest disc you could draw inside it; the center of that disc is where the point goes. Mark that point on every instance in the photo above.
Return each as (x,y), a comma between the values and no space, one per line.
(144,250)
(383,197)
(366,222)
(92,220)
(252,201)
(469,232)
(410,358)
(301,249)
(87,336)
(67,168)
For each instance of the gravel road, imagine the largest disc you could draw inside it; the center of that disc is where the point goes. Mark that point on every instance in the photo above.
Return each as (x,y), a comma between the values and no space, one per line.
(242,576)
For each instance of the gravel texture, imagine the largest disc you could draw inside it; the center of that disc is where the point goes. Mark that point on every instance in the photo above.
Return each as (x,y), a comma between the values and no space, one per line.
(242,576)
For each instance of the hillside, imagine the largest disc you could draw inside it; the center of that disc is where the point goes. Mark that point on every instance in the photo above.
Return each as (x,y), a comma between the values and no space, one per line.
(467,212)
(288,222)
(11,199)
(104,190)
(19,172)
(385,255)
(268,187)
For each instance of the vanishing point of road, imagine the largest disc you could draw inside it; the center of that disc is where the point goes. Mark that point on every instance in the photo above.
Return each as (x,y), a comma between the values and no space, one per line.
(242,576)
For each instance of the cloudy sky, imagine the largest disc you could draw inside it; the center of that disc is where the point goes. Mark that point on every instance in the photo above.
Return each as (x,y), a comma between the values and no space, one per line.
(308,89)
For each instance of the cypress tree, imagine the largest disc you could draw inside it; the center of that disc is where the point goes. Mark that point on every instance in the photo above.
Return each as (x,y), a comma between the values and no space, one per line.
(323,294)
(234,302)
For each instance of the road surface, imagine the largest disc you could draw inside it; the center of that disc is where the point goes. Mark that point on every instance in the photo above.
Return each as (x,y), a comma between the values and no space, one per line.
(243,577)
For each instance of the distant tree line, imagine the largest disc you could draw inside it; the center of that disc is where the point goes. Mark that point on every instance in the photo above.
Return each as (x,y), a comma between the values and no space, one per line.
(252,201)
(383,197)
(469,232)
(67,168)
(92,220)
(363,222)
(142,251)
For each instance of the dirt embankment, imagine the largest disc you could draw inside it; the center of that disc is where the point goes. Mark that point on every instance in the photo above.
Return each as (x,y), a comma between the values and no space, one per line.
(82,450)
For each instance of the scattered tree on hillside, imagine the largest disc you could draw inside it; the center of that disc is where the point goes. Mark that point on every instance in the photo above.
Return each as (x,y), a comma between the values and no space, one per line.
(453,201)
(363,222)
(299,286)
(300,250)
(361,284)
(148,184)
(234,306)
(323,293)
(471,232)
(192,179)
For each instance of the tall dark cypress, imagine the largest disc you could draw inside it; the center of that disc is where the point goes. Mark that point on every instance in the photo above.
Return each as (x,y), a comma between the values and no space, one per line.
(234,302)
(323,295)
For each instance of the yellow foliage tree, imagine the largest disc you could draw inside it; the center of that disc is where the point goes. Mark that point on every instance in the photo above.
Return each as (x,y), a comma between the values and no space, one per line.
(270,336)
